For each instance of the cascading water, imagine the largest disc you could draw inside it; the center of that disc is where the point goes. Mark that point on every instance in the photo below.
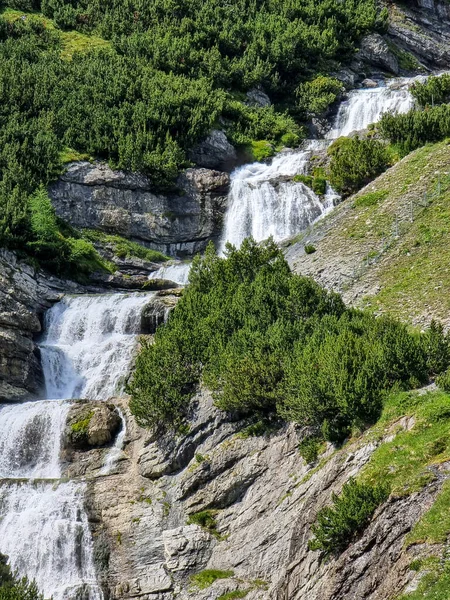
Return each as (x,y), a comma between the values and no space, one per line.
(89,342)
(366,106)
(176,272)
(86,351)
(264,201)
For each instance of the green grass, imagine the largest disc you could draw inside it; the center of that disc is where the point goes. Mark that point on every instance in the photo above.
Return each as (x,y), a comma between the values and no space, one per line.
(404,462)
(233,595)
(206,578)
(261,150)
(434,527)
(124,248)
(82,426)
(68,155)
(205,519)
(371,198)
(435,585)
(71,41)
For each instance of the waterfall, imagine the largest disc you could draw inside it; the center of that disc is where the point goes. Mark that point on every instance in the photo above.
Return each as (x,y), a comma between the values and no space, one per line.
(264,201)
(176,272)
(366,106)
(45,532)
(116,450)
(89,343)
(30,439)
(86,352)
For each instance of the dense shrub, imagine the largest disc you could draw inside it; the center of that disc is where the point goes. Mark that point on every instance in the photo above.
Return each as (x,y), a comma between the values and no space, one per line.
(355,162)
(270,343)
(12,587)
(435,90)
(416,128)
(337,525)
(315,97)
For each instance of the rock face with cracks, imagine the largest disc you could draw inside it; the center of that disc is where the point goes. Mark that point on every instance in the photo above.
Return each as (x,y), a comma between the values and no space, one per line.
(177,223)
(261,499)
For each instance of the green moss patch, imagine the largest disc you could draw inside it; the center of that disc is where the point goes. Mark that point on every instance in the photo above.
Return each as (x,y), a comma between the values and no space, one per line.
(206,578)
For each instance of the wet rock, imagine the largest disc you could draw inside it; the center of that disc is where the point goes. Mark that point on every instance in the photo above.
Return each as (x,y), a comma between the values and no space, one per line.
(24,295)
(215,152)
(94,196)
(91,425)
(369,83)
(375,50)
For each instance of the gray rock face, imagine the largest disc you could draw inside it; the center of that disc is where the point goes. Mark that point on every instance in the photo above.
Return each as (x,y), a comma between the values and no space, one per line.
(263,499)
(94,196)
(423,30)
(258,97)
(24,295)
(215,152)
(375,50)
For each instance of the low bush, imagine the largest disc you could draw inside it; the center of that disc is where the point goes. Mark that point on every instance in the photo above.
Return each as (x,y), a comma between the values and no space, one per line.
(434,91)
(310,249)
(416,128)
(356,162)
(13,587)
(337,525)
(271,345)
(443,381)
(309,448)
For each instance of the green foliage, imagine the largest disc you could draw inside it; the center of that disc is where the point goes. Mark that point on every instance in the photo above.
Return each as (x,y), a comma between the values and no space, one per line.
(352,510)
(371,198)
(122,247)
(310,249)
(434,91)
(206,578)
(309,448)
(443,381)
(272,344)
(316,182)
(314,97)
(205,519)
(355,162)
(12,587)
(64,255)
(233,595)
(438,348)
(261,150)
(416,128)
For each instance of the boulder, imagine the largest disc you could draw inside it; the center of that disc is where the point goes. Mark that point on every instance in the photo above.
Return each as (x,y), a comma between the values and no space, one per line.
(91,425)
(215,152)
(258,97)
(375,51)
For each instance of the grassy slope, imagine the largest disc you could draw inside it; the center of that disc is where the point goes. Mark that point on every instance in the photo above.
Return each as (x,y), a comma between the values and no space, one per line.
(72,41)
(359,254)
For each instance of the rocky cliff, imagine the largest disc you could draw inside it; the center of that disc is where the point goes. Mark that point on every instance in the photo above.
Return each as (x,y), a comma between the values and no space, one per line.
(220,500)
(25,294)
(180,224)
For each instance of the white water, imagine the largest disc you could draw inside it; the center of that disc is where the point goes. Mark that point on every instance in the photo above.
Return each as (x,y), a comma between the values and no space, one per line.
(367,106)
(45,532)
(115,452)
(87,351)
(261,204)
(30,439)
(176,272)
(89,344)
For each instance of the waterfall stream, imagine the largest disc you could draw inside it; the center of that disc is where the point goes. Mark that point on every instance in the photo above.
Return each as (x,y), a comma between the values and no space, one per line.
(86,352)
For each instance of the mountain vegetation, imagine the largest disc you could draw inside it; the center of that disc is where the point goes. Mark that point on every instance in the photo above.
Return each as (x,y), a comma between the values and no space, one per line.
(274,345)
(140,83)
(13,587)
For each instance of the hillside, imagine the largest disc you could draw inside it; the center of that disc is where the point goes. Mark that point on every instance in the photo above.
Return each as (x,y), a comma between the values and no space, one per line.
(386,248)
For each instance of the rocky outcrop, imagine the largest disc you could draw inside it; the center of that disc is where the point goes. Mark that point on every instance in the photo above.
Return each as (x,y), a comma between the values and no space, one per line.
(94,196)
(91,425)
(215,152)
(422,29)
(375,50)
(261,499)
(24,294)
